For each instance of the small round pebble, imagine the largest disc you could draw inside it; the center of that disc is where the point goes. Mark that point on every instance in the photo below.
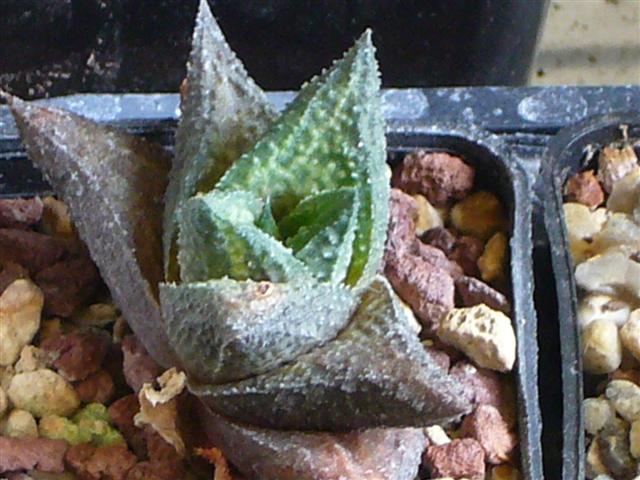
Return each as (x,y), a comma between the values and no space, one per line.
(630,334)
(601,347)
(43,392)
(625,398)
(20,424)
(598,413)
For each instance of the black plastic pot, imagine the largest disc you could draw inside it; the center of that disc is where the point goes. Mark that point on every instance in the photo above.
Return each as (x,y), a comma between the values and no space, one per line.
(497,171)
(57,47)
(567,154)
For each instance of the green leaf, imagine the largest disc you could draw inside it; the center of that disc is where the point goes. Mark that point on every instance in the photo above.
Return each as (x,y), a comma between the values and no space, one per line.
(218,238)
(330,136)
(266,222)
(324,226)
(223,113)
(375,373)
(226,330)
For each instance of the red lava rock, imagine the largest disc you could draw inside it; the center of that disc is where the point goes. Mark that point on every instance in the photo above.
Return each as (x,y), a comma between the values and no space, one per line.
(111,462)
(147,471)
(474,292)
(487,387)
(121,413)
(67,285)
(96,388)
(466,254)
(437,175)
(401,231)
(32,453)
(11,272)
(584,188)
(440,357)
(79,354)
(163,456)
(436,258)
(441,238)
(428,290)
(457,459)
(139,368)
(32,250)
(20,212)
(487,426)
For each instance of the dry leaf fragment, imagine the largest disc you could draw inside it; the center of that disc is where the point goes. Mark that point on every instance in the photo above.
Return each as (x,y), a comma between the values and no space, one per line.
(159,408)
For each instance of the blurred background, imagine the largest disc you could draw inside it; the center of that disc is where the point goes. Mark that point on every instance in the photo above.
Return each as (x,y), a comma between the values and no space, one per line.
(54,47)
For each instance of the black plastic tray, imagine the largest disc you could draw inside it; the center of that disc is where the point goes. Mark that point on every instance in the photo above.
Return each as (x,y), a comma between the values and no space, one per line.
(567,153)
(498,171)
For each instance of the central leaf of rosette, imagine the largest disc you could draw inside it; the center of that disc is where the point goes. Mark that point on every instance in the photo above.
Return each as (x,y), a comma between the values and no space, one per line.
(277,263)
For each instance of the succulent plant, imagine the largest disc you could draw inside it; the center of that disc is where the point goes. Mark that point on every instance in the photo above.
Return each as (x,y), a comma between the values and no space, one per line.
(273,233)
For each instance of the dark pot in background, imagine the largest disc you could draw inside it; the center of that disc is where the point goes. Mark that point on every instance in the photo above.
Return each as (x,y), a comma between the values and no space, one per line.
(60,46)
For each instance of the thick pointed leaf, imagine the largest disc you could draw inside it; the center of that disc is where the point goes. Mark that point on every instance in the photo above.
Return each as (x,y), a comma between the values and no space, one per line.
(224,330)
(218,238)
(325,226)
(375,373)
(223,113)
(380,454)
(330,136)
(267,223)
(113,184)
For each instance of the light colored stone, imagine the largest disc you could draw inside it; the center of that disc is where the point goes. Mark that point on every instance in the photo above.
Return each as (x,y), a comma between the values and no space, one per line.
(582,222)
(601,347)
(614,164)
(20,424)
(20,309)
(437,435)
(428,216)
(32,358)
(630,334)
(625,193)
(4,403)
(634,439)
(602,307)
(609,273)
(493,261)
(598,413)
(6,374)
(619,230)
(594,464)
(483,334)
(625,398)
(43,392)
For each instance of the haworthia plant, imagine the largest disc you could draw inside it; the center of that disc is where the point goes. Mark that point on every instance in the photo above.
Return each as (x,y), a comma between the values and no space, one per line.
(273,233)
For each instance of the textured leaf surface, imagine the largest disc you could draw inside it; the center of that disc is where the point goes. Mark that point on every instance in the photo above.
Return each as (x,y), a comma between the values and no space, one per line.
(324,226)
(375,373)
(267,223)
(113,184)
(223,113)
(225,330)
(330,136)
(380,454)
(218,238)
